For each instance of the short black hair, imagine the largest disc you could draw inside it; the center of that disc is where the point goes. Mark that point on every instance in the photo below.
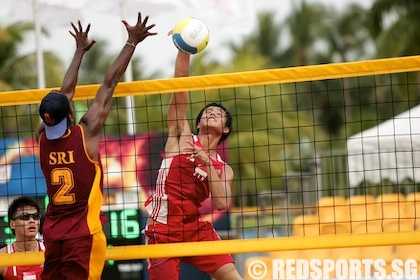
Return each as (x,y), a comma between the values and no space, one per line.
(21,202)
(228,121)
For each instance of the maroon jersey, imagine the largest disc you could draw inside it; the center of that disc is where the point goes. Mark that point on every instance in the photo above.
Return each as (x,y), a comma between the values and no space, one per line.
(181,187)
(74,186)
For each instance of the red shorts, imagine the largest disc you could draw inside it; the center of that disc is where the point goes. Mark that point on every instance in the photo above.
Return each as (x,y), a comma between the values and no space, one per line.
(168,268)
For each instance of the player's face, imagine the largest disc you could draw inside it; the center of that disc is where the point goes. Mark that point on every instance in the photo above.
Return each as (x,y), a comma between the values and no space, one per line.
(26,222)
(214,116)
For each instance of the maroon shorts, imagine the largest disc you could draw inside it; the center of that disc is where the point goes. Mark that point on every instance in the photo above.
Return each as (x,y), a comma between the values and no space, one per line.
(168,268)
(78,258)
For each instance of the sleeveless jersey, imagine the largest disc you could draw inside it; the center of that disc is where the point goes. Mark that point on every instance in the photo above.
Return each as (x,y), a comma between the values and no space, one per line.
(181,187)
(31,272)
(74,186)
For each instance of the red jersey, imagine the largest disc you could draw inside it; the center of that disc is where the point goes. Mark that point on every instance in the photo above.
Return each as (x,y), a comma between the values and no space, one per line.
(30,272)
(181,187)
(74,186)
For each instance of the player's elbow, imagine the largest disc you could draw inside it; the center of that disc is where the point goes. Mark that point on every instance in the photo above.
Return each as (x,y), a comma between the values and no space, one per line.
(220,204)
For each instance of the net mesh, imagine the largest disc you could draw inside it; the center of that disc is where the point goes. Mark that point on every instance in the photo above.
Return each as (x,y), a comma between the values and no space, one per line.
(317,151)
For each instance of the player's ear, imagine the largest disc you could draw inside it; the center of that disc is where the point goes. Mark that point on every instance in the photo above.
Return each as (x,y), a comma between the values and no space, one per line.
(226,130)
(12,224)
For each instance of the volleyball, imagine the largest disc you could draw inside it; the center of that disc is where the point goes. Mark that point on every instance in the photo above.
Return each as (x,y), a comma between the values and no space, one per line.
(190,35)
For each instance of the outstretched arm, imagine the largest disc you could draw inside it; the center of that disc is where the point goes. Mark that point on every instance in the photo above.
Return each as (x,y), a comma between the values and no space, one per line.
(95,117)
(177,120)
(83,44)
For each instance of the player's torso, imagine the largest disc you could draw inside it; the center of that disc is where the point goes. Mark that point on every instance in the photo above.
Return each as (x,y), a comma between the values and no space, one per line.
(182,186)
(31,272)
(73,182)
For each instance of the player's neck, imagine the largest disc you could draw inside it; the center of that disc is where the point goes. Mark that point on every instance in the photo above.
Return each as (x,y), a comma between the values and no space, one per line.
(26,246)
(209,142)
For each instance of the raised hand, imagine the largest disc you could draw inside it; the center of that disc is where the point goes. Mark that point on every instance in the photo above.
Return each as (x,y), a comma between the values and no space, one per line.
(81,37)
(140,31)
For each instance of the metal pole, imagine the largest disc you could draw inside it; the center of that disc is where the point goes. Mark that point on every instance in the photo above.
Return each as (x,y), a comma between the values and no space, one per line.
(38,44)
(128,77)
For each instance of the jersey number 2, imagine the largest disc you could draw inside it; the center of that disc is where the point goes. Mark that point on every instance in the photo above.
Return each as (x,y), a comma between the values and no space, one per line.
(63,177)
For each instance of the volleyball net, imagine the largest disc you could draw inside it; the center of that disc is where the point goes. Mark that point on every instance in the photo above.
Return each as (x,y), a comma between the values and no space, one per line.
(325,157)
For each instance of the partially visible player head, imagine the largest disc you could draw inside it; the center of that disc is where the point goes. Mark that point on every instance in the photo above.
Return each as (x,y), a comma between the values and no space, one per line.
(20,211)
(227,125)
(54,111)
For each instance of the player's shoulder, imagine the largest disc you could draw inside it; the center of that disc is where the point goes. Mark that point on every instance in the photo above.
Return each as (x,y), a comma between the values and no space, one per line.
(228,169)
(3,250)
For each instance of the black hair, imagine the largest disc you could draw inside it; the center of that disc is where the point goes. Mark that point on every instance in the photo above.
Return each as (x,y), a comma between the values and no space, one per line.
(21,202)
(228,121)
